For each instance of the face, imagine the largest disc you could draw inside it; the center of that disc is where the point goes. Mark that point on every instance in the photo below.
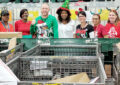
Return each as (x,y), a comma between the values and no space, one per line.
(25,15)
(64,15)
(82,18)
(95,20)
(5,18)
(45,10)
(112,17)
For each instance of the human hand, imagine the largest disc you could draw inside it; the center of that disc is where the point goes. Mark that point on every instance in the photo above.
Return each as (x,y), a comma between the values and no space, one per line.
(33,22)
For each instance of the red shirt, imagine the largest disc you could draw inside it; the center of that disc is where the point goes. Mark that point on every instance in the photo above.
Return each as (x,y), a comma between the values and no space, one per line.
(100,31)
(113,30)
(3,29)
(23,27)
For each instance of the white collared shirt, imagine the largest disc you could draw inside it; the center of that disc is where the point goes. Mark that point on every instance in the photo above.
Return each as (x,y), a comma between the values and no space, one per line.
(66,30)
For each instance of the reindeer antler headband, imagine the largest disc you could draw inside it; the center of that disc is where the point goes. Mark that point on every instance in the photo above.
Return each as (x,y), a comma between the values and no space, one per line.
(96,13)
(112,9)
(80,9)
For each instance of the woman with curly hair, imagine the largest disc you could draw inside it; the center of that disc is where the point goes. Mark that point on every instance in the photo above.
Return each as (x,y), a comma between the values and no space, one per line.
(66,26)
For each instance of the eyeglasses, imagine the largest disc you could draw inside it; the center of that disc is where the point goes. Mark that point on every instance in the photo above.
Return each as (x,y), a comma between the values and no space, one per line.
(95,18)
(81,16)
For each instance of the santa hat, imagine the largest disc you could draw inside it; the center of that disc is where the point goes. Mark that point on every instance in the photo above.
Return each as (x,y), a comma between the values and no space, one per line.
(65,7)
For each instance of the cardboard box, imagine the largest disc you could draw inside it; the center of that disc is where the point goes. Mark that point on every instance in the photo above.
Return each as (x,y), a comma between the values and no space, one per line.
(10,34)
(94,72)
(12,44)
(118,46)
(108,70)
(116,49)
(78,78)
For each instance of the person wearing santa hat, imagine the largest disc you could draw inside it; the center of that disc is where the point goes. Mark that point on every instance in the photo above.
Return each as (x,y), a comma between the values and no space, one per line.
(66,26)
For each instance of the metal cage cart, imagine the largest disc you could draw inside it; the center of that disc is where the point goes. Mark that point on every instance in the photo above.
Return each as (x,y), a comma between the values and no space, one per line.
(65,50)
(42,69)
(7,55)
(116,64)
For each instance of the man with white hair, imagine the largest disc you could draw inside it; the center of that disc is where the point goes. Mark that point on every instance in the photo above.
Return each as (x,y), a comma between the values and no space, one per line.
(45,26)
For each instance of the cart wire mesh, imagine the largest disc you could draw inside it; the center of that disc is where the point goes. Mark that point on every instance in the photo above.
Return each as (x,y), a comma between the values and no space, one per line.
(116,63)
(43,69)
(116,59)
(58,50)
(7,55)
(65,50)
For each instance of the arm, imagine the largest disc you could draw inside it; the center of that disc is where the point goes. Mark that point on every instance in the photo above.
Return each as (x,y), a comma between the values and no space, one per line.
(55,28)
(74,30)
(11,28)
(74,36)
(33,27)
(91,31)
(104,32)
(105,36)
(16,27)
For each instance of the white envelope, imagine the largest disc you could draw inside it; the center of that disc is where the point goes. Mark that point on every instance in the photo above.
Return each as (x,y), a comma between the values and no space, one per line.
(6,74)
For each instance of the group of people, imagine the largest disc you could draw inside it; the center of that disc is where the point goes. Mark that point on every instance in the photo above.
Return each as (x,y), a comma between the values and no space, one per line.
(47,26)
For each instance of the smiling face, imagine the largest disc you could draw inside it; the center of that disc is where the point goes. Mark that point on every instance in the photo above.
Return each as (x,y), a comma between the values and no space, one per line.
(82,18)
(64,15)
(112,17)
(96,20)
(45,10)
(25,15)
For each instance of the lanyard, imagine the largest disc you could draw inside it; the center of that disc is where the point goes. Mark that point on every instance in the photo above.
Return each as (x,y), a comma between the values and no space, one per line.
(8,29)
